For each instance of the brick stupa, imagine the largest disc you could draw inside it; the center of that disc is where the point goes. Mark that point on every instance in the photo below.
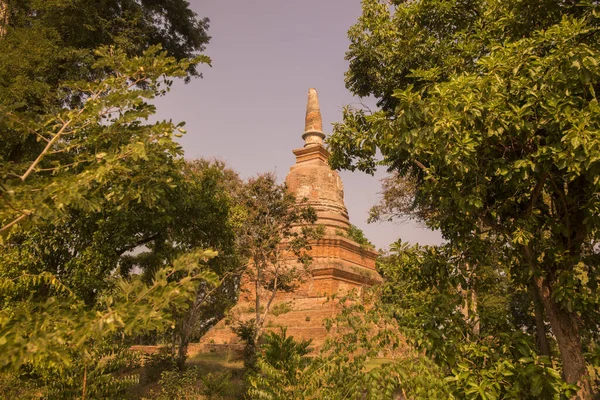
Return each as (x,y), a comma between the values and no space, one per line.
(339,264)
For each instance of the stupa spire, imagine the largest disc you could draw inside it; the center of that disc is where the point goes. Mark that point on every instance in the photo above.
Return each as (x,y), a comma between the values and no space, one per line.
(313,127)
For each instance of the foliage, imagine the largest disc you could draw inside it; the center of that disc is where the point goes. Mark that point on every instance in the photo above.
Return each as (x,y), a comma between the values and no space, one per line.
(72,340)
(356,234)
(216,385)
(283,353)
(13,386)
(44,44)
(113,185)
(93,152)
(506,367)
(281,362)
(246,331)
(99,172)
(156,363)
(91,193)
(493,114)
(420,290)
(47,42)
(187,383)
(398,44)
(281,308)
(364,357)
(175,384)
(274,234)
(397,201)
(108,372)
(211,190)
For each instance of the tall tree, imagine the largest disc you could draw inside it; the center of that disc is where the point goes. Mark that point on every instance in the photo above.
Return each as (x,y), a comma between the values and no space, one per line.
(84,180)
(275,236)
(494,113)
(208,220)
(59,285)
(49,42)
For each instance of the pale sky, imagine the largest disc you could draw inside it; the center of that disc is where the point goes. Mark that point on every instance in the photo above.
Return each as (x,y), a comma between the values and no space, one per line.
(249,108)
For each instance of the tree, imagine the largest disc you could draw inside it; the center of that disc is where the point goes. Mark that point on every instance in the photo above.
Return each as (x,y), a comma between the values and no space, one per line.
(495,118)
(274,236)
(92,153)
(484,353)
(61,290)
(47,43)
(74,344)
(84,182)
(208,220)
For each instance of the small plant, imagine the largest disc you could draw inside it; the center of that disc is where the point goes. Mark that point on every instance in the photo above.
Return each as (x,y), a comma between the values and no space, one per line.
(217,385)
(283,352)
(282,359)
(281,308)
(307,319)
(252,309)
(246,332)
(179,385)
(356,234)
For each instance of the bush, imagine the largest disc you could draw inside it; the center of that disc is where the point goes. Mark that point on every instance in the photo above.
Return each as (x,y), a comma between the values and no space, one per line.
(156,364)
(175,384)
(185,385)
(13,387)
(217,385)
(281,361)
(245,331)
(107,373)
(281,308)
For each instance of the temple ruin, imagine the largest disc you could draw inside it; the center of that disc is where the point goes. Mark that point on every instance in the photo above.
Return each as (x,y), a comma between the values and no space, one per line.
(339,264)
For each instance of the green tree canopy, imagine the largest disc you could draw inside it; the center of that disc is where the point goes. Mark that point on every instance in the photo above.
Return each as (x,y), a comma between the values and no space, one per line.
(45,43)
(496,121)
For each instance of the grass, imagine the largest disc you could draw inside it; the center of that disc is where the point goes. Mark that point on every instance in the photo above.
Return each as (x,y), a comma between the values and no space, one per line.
(221,363)
(216,360)
(376,362)
(205,363)
(281,308)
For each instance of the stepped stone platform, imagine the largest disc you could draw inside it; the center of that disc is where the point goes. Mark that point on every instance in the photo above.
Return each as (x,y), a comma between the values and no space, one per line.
(339,265)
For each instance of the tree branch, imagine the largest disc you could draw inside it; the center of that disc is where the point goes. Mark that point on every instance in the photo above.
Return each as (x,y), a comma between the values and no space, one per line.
(14,222)
(136,244)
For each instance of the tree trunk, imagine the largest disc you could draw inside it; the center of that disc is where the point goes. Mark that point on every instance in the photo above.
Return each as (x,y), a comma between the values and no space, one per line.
(540,325)
(468,306)
(566,330)
(3,17)
(183,334)
(182,350)
(257,323)
(464,306)
(474,314)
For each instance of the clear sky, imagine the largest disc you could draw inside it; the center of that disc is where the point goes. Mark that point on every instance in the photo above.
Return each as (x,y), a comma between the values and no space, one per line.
(249,108)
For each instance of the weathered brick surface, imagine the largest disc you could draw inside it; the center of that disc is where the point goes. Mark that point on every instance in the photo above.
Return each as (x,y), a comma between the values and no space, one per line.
(339,264)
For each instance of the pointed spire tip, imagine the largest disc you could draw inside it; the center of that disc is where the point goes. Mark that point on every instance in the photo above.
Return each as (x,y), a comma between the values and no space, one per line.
(313,127)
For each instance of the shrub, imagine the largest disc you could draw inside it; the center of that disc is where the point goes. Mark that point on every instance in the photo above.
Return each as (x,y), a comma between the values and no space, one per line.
(156,364)
(281,308)
(181,385)
(217,385)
